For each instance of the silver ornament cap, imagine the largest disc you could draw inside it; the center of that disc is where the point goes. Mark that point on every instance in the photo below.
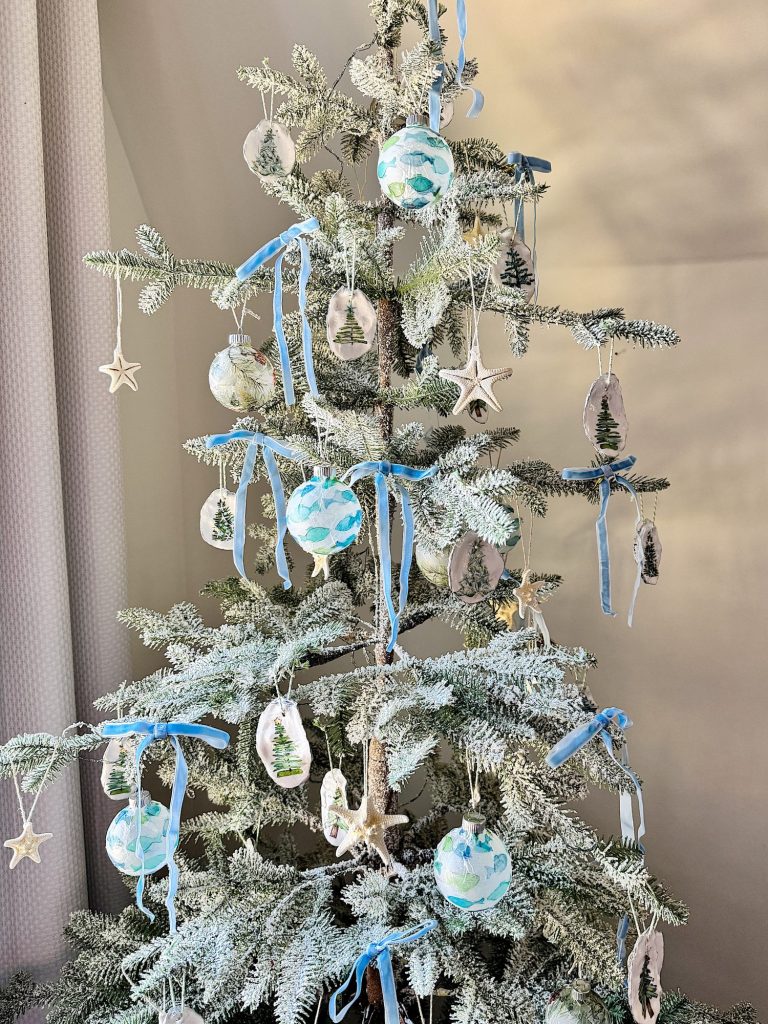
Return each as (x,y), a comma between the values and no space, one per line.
(325,471)
(240,341)
(580,989)
(473,822)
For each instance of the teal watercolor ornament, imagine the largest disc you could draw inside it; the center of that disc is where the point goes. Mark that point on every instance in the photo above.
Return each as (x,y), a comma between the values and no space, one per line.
(323,517)
(472,865)
(143,824)
(415,166)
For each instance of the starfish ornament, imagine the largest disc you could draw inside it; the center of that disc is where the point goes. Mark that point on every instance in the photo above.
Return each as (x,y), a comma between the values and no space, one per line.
(321,566)
(527,594)
(367,825)
(476,381)
(475,233)
(27,845)
(120,372)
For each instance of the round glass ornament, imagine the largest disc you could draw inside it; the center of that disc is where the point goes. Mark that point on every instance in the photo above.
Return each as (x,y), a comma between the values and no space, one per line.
(472,865)
(415,166)
(144,821)
(433,565)
(576,1004)
(241,377)
(323,516)
(269,150)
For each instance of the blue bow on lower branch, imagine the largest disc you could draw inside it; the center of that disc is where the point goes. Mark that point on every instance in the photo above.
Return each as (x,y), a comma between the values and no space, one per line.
(268,447)
(378,953)
(277,247)
(609,473)
(380,471)
(149,732)
(524,168)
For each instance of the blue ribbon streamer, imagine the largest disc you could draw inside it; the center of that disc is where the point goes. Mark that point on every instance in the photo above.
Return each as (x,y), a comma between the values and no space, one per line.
(606,474)
(149,732)
(524,168)
(380,471)
(277,247)
(573,742)
(378,953)
(436,88)
(478,100)
(268,447)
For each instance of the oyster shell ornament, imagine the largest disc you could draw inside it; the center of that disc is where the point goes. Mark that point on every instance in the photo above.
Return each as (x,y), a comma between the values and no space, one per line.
(351,324)
(474,568)
(269,150)
(605,421)
(282,744)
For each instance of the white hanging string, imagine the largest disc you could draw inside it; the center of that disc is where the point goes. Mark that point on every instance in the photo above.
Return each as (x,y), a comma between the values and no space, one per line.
(119,305)
(26,819)
(600,359)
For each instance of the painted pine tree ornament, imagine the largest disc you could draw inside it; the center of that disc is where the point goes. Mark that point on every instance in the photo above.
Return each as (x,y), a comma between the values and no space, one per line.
(117,774)
(514,266)
(648,551)
(217,519)
(644,977)
(351,324)
(433,565)
(241,377)
(605,421)
(333,792)
(141,826)
(323,517)
(282,744)
(472,865)
(474,568)
(415,166)
(269,150)
(577,1004)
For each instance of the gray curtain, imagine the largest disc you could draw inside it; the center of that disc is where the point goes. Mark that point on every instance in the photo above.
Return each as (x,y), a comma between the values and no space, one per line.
(62,555)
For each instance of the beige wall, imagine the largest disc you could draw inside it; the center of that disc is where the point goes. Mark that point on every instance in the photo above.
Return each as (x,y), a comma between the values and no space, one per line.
(652,115)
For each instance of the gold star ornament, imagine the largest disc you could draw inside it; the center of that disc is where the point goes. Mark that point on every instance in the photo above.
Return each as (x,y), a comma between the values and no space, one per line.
(120,372)
(476,381)
(528,594)
(367,825)
(27,845)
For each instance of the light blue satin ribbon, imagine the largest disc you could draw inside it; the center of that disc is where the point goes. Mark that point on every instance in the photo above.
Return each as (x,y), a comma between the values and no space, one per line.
(524,168)
(478,100)
(268,447)
(380,471)
(611,471)
(378,953)
(149,732)
(573,742)
(277,247)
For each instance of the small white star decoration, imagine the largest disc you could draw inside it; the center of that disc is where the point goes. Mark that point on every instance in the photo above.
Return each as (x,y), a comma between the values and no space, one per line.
(367,825)
(476,381)
(121,371)
(27,844)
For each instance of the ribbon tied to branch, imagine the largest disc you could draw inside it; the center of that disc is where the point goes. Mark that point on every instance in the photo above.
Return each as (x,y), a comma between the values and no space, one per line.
(380,471)
(268,447)
(378,953)
(277,247)
(611,472)
(148,733)
(478,100)
(524,168)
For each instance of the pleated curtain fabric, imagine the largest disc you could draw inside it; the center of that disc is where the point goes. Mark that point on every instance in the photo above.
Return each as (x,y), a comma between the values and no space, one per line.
(62,552)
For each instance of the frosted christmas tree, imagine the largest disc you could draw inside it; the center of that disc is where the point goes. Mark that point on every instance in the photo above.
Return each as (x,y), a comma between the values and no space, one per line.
(440,857)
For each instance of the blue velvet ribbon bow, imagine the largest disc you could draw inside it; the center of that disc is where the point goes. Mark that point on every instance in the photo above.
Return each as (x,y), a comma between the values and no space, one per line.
(268,447)
(606,474)
(573,742)
(380,471)
(277,247)
(524,168)
(149,732)
(378,953)
(478,100)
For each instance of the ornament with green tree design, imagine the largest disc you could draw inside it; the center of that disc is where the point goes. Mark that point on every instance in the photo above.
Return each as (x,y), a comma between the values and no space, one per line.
(269,150)
(351,324)
(282,744)
(605,421)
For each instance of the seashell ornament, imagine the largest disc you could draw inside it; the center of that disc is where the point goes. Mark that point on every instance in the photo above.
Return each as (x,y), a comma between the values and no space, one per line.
(117,778)
(474,568)
(269,150)
(217,519)
(282,744)
(514,265)
(605,421)
(644,976)
(351,324)
(333,790)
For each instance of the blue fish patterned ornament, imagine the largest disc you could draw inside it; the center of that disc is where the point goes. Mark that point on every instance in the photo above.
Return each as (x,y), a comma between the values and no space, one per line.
(472,865)
(415,167)
(323,517)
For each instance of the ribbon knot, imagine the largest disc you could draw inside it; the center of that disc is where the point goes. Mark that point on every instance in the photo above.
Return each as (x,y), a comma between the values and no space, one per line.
(611,472)
(524,168)
(478,100)
(149,732)
(380,471)
(277,247)
(378,953)
(268,446)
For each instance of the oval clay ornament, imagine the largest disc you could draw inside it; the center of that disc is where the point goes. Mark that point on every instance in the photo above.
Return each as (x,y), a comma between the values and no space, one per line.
(644,976)
(474,568)
(217,519)
(648,551)
(282,744)
(117,768)
(333,790)
(514,264)
(269,150)
(605,422)
(350,323)
(433,565)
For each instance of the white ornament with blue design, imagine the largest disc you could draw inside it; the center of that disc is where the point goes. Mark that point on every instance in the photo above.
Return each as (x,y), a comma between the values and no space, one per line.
(472,865)
(323,517)
(415,166)
(142,825)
